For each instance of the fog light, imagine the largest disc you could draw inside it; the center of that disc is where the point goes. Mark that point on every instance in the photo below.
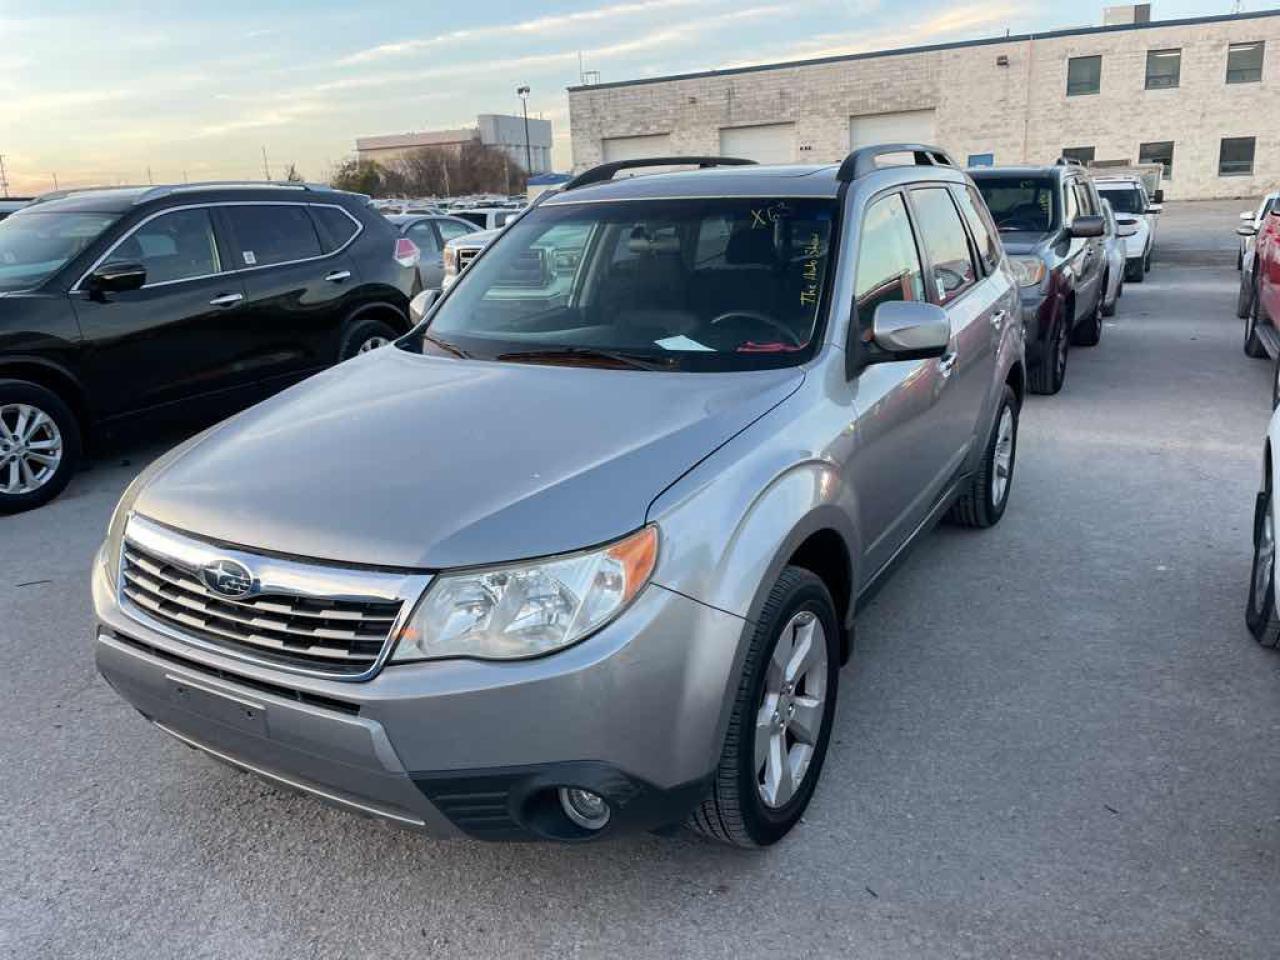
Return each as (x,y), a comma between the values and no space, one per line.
(588,810)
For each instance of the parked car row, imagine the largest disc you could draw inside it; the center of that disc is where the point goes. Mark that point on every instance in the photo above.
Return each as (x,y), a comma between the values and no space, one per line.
(661,434)
(1258,298)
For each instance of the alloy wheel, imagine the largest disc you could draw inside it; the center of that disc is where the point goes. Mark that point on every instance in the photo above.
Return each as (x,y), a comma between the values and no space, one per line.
(1003,471)
(789,719)
(373,343)
(30,448)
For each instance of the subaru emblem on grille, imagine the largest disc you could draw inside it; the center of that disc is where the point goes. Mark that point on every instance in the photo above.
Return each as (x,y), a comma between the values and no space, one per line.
(227,578)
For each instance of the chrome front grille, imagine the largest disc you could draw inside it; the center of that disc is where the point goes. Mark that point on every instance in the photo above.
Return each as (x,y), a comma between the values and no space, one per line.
(466,255)
(298,616)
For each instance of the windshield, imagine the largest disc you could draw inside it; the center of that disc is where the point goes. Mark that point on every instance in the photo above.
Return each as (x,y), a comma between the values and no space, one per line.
(693,284)
(1020,204)
(34,246)
(1124,199)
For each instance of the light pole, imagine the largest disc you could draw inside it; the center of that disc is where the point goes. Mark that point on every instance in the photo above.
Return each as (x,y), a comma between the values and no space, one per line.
(523,94)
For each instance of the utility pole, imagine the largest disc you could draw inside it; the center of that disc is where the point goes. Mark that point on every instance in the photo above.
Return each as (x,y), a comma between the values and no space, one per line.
(266,170)
(523,93)
(55,179)
(150,179)
(4,180)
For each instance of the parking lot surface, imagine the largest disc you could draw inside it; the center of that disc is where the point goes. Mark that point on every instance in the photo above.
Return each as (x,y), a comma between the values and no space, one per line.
(1056,737)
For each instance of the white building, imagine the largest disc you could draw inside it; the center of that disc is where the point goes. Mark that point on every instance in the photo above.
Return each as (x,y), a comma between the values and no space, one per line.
(1195,94)
(506,133)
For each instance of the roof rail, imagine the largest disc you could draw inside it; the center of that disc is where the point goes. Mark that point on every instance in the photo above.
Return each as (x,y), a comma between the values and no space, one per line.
(72,191)
(166,189)
(1067,162)
(605,171)
(862,161)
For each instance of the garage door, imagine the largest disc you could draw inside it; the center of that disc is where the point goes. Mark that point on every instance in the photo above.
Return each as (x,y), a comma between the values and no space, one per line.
(636,148)
(767,143)
(906,126)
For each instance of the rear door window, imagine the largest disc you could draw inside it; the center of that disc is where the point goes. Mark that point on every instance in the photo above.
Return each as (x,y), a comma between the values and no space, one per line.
(423,237)
(944,238)
(173,246)
(450,229)
(268,234)
(888,261)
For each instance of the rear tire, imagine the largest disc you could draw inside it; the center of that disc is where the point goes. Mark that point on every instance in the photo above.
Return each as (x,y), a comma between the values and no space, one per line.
(983,501)
(363,336)
(1260,612)
(736,811)
(1252,342)
(40,445)
(1048,375)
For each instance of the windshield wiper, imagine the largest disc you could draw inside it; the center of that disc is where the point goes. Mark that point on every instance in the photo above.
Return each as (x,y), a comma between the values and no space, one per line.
(552,354)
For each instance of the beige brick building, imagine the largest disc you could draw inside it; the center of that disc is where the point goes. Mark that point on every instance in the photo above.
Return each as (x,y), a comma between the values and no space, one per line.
(1194,92)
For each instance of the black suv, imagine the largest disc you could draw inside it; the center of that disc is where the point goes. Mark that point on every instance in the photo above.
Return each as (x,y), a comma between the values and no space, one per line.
(193,301)
(1051,222)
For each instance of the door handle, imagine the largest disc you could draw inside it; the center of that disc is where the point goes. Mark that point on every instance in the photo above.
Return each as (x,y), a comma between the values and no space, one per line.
(998,318)
(226,300)
(338,276)
(947,363)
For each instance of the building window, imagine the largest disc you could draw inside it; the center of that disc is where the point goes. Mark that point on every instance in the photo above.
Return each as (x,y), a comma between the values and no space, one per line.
(1158,151)
(1084,75)
(1244,62)
(1083,154)
(981,160)
(1163,68)
(1235,157)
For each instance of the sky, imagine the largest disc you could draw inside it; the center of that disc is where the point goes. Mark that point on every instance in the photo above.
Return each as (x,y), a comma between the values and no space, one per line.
(139,90)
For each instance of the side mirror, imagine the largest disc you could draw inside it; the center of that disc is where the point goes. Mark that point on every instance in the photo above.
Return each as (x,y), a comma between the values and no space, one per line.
(1126,227)
(420,304)
(1154,208)
(1246,215)
(117,277)
(1085,226)
(1247,230)
(908,330)
(1158,196)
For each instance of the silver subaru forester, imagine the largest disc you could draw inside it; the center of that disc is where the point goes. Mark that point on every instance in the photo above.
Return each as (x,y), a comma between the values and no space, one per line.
(582,553)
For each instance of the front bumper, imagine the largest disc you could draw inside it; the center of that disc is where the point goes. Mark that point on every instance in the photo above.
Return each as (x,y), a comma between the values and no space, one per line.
(635,713)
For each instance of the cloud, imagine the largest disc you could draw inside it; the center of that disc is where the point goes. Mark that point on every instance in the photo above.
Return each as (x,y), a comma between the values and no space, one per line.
(957,20)
(541,26)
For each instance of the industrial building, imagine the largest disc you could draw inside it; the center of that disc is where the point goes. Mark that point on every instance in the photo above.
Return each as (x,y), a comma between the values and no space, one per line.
(506,133)
(1193,94)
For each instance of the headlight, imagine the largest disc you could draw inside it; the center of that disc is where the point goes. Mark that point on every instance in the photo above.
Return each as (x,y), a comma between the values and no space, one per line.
(1028,270)
(528,609)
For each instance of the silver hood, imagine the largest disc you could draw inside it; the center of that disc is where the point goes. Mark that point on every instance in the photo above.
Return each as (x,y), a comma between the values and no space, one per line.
(398,459)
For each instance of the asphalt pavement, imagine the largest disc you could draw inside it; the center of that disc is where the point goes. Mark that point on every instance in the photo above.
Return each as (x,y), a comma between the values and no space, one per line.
(1056,738)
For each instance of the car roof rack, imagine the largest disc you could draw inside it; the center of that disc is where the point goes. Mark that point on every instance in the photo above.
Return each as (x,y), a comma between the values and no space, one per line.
(166,189)
(72,191)
(1067,162)
(862,161)
(604,172)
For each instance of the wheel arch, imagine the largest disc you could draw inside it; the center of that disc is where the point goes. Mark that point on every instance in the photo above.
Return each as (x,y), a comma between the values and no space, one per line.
(54,377)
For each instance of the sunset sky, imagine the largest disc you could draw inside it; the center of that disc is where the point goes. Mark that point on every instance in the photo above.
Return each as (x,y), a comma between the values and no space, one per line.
(98,93)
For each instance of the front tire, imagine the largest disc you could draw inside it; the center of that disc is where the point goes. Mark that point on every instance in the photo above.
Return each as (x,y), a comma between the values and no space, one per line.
(1048,375)
(1244,298)
(1260,612)
(781,722)
(1133,270)
(983,502)
(1089,333)
(39,445)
